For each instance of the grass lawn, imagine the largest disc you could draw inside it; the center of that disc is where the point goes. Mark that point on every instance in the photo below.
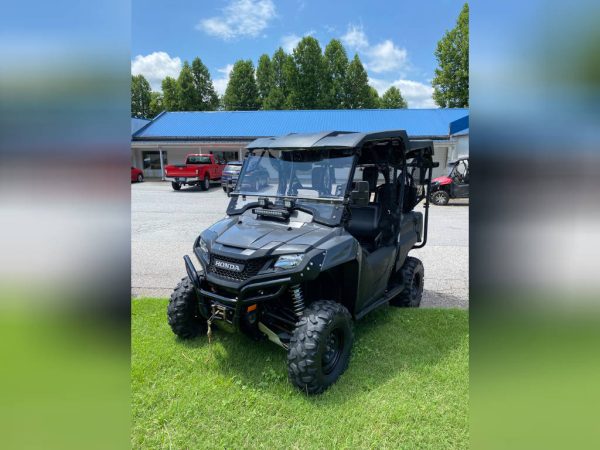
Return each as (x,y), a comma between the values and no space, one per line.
(406,387)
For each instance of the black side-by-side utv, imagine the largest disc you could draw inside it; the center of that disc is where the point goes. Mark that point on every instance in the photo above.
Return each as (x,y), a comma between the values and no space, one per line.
(323,242)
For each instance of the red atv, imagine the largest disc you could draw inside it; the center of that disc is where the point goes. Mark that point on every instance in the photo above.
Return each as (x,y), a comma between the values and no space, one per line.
(453,185)
(198,170)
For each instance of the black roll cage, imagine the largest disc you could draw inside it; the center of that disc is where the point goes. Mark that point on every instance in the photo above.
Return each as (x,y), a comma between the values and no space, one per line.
(419,150)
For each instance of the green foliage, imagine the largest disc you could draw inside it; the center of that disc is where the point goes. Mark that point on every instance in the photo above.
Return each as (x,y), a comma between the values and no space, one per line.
(407,386)
(392,99)
(373,102)
(264,78)
(140,96)
(307,81)
(170,99)
(156,104)
(357,91)
(336,67)
(241,93)
(280,84)
(187,96)
(205,97)
(451,81)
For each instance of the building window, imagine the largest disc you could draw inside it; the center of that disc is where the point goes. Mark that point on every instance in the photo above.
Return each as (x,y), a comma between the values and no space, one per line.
(152,160)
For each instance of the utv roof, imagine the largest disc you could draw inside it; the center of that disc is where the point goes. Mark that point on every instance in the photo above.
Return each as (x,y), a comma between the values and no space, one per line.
(296,141)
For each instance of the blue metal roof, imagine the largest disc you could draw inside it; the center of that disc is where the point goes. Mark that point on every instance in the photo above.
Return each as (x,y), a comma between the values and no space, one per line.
(459,125)
(137,123)
(252,124)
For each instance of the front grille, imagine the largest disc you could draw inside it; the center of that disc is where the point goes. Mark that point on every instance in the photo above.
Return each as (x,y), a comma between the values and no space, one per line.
(251,267)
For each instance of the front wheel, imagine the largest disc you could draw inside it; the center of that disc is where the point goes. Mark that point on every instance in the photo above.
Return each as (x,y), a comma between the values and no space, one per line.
(205,186)
(412,277)
(183,312)
(320,346)
(140,178)
(176,186)
(440,198)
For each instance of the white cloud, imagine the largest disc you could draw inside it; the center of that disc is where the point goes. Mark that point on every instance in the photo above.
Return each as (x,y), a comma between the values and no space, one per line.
(240,18)
(382,57)
(385,57)
(416,94)
(155,67)
(355,38)
(289,41)
(220,83)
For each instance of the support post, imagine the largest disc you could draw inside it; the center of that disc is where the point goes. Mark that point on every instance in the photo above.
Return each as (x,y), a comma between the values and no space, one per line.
(162,166)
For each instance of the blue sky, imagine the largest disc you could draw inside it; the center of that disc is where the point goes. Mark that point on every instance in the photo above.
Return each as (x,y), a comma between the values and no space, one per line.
(394,39)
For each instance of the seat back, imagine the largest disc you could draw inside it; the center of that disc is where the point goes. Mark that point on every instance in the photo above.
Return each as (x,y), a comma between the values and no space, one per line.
(364,221)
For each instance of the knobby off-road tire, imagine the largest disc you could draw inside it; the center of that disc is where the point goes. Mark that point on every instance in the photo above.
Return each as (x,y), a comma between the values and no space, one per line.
(412,275)
(183,312)
(175,186)
(205,185)
(440,198)
(320,346)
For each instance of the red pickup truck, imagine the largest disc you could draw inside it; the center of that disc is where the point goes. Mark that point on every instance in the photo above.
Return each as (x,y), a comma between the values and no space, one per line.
(198,170)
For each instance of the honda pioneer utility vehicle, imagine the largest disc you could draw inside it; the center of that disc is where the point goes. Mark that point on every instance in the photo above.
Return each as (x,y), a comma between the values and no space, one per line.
(453,185)
(323,241)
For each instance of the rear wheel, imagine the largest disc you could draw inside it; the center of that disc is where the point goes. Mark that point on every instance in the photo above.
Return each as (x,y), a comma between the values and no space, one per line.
(205,186)
(183,312)
(320,346)
(412,276)
(175,185)
(140,178)
(440,198)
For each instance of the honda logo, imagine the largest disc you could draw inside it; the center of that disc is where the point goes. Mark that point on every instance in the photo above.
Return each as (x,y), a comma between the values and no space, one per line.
(228,266)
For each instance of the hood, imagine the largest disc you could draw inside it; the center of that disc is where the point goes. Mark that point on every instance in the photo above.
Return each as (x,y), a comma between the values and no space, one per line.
(263,234)
(442,180)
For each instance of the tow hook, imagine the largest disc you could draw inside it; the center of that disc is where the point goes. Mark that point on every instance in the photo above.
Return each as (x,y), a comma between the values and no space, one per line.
(218,313)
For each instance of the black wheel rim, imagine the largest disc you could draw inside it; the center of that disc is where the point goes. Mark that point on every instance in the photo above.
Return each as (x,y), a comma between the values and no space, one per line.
(333,351)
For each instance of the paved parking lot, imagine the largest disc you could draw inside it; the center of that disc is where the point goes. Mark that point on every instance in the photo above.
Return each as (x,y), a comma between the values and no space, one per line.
(164,224)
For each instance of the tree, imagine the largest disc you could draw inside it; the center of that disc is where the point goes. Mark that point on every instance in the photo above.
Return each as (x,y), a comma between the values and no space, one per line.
(373,101)
(187,96)
(241,93)
(451,81)
(140,96)
(357,91)
(308,81)
(156,104)
(336,67)
(392,99)
(170,100)
(205,98)
(280,89)
(264,79)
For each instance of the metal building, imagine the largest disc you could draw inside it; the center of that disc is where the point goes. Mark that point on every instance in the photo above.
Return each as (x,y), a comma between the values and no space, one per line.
(169,137)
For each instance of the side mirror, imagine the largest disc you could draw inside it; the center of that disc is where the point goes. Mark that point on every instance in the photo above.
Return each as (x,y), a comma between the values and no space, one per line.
(359,196)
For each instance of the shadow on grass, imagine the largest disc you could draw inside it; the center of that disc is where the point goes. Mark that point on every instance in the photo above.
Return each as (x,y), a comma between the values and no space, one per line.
(387,341)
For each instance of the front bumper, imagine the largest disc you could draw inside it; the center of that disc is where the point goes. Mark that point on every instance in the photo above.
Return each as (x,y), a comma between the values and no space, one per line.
(236,296)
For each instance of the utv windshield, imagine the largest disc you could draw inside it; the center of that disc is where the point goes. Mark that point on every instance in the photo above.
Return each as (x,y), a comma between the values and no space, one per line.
(316,179)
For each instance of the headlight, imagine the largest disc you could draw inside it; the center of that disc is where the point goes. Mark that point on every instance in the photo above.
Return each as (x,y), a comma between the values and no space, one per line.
(288,261)
(203,247)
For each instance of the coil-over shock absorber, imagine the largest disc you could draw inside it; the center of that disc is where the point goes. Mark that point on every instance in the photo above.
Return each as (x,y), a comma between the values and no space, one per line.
(297,300)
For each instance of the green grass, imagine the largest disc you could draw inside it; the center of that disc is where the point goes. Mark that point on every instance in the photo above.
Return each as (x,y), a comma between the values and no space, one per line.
(406,387)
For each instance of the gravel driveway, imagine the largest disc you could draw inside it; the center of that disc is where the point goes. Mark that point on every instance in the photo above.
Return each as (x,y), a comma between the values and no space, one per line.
(165,223)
